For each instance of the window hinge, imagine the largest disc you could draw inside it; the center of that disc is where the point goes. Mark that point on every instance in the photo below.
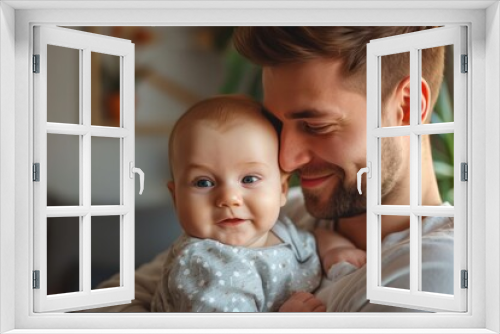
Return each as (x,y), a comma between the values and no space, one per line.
(36,279)
(465,64)
(36,63)
(465,279)
(36,172)
(464,172)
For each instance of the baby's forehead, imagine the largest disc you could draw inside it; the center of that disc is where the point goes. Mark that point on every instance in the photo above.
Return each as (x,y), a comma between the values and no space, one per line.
(246,125)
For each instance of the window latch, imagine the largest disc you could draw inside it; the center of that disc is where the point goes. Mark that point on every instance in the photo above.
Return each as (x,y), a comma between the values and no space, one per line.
(133,170)
(368,171)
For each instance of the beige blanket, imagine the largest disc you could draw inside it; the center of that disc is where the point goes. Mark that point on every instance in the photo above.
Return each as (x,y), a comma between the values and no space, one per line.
(147,277)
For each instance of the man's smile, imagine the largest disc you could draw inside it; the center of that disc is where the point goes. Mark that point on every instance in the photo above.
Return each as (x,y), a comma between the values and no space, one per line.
(313,181)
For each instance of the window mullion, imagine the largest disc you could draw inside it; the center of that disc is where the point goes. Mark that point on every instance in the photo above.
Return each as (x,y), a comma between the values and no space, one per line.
(414,169)
(85,248)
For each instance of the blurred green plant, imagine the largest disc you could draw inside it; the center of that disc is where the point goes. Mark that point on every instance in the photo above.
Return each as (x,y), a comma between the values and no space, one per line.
(242,76)
(443,145)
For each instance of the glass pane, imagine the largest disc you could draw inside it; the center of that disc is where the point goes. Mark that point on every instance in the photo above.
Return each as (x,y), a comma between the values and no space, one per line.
(63,85)
(441,92)
(105,248)
(63,255)
(105,171)
(105,91)
(63,170)
(395,170)
(394,67)
(395,255)
(442,162)
(437,254)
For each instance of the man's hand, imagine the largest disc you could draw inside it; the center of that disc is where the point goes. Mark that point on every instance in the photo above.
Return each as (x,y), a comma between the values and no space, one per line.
(354,256)
(334,248)
(303,302)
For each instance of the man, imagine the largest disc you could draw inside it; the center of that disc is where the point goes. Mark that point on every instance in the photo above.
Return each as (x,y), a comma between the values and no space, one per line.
(314,81)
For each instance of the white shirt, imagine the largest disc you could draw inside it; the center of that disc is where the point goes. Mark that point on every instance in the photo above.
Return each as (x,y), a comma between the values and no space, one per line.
(344,290)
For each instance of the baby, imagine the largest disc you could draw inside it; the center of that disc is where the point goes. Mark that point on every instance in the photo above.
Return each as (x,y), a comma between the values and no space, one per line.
(237,254)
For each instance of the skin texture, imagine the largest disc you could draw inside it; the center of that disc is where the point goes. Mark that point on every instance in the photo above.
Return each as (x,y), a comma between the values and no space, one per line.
(228,173)
(323,139)
(303,302)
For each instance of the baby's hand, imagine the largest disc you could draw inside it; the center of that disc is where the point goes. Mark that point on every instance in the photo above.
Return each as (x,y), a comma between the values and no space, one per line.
(303,302)
(354,256)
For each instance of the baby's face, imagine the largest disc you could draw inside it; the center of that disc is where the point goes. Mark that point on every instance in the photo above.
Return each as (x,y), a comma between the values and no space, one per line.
(228,186)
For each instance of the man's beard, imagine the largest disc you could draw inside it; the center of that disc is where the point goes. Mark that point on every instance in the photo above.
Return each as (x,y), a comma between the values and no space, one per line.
(344,201)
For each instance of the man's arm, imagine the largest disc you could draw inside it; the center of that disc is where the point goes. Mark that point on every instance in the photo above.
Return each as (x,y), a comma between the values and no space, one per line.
(303,302)
(333,248)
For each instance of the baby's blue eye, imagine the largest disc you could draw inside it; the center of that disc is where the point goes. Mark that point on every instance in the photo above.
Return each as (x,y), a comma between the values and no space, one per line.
(250,179)
(204,183)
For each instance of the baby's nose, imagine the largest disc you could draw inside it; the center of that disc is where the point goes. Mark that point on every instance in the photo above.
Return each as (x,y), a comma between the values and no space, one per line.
(229,197)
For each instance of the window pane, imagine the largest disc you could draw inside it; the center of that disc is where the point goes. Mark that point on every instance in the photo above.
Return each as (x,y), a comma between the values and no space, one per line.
(105,171)
(394,165)
(442,110)
(442,162)
(63,85)
(437,257)
(63,170)
(63,255)
(395,255)
(105,248)
(105,89)
(393,67)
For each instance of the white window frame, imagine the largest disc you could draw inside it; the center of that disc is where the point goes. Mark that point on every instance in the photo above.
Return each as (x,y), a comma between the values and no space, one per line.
(17,19)
(85,44)
(413,44)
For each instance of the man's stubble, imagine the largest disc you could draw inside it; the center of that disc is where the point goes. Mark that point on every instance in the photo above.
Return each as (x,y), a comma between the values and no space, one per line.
(344,200)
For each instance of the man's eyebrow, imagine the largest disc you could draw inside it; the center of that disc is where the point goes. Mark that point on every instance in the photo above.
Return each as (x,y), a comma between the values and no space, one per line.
(311,113)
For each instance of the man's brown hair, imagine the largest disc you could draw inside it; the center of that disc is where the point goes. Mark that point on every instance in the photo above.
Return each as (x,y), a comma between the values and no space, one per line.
(272,46)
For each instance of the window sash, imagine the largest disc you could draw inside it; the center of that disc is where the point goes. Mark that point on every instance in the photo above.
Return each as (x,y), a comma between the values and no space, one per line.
(413,43)
(85,43)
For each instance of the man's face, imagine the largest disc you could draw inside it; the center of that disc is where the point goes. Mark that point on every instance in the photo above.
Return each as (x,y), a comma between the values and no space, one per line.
(323,136)
(228,185)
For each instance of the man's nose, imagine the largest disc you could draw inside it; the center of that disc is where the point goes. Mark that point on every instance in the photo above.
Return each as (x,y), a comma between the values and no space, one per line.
(294,152)
(228,197)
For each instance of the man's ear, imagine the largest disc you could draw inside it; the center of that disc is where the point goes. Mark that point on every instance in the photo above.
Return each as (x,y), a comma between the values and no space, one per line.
(426,101)
(171,188)
(403,92)
(285,179)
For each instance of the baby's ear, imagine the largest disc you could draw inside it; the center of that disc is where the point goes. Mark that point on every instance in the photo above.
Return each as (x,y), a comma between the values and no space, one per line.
(285,179)
(171,188)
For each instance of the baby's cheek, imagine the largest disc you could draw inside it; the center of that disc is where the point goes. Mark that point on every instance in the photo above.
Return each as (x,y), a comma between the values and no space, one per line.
(269,203)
